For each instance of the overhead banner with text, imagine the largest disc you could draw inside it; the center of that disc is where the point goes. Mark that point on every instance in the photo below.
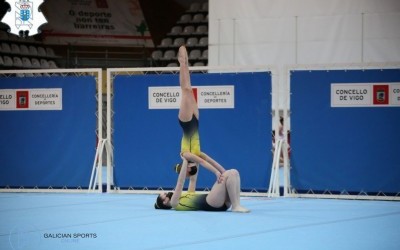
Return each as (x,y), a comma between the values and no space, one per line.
(95,22)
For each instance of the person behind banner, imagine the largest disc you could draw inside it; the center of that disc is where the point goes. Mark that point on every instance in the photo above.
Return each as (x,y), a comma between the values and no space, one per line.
(280,136)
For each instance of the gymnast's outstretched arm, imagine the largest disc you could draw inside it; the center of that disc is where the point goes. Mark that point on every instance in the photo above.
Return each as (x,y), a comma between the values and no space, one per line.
(213,162)
(179,184)
(193,180)
(194,158)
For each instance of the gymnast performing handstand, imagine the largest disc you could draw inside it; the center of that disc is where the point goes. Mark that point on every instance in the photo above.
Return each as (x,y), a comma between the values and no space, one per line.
(189,120)
(224,194)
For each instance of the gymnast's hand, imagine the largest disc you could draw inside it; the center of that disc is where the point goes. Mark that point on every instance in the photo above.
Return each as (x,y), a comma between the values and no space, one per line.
(183,158)
(220,177)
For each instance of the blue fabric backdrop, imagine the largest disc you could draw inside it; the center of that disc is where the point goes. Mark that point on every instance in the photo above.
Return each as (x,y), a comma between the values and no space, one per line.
(147,142)
(49,148)
(353,149)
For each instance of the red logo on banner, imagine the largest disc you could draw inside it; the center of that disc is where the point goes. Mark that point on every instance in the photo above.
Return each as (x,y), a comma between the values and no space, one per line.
(195,93)
(381,94)
(22,99)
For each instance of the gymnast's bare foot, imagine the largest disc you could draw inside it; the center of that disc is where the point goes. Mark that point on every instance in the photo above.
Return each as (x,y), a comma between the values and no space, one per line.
(240,209)
(182,56)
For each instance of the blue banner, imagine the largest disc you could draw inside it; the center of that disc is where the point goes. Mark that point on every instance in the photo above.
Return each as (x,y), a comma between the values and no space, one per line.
(43,148)
(147,141)
(350,149)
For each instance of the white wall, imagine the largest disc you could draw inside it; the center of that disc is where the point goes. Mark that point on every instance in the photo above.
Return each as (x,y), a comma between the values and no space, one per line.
(287,32)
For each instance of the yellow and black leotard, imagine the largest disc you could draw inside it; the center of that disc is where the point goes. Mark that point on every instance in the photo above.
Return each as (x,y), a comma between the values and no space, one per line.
(194,202)
(190,139)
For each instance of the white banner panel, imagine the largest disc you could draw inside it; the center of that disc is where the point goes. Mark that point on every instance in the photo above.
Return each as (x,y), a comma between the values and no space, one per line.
(211,97)
(164,97)
(30,99)
(394,94)
(96,22)
(365,95)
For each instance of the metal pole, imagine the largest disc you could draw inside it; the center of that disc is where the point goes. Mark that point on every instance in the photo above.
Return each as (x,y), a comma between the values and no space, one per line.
(219,41)
(296,40)
(362,37)
(110,163)
(234,41)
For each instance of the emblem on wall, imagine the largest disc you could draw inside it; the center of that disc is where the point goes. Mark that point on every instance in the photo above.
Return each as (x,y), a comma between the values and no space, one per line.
(24,17)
